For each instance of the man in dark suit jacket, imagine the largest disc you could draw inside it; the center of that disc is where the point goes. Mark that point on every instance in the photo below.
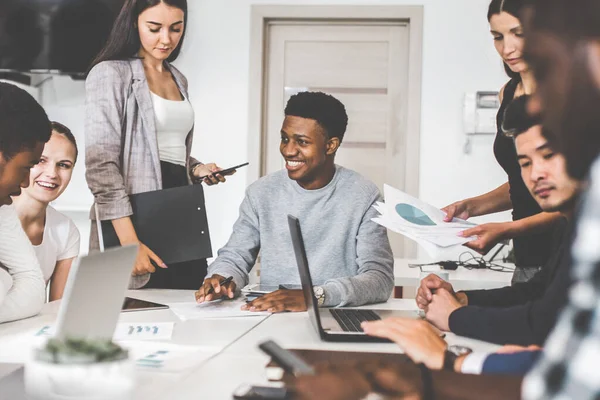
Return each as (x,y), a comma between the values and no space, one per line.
(523,314)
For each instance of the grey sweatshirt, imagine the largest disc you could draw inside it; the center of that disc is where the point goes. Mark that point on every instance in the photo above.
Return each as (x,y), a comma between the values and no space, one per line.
(348,254)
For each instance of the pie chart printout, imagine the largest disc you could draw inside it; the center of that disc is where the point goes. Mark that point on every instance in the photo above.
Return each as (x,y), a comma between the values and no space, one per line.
(413,215)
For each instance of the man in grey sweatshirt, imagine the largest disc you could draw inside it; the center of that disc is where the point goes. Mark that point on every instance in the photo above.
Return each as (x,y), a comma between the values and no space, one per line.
(349,255)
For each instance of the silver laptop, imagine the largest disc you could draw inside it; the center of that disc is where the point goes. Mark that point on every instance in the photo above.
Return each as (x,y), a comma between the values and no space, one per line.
(335,324)
(94,294)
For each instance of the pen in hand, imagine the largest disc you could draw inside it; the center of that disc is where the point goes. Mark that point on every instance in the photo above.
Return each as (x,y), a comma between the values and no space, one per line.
(223,282)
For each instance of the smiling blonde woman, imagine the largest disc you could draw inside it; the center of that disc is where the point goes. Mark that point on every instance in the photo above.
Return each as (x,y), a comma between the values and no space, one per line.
(53,235)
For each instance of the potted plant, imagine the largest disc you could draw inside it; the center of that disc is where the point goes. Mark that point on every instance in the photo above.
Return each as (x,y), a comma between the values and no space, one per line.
(80,369)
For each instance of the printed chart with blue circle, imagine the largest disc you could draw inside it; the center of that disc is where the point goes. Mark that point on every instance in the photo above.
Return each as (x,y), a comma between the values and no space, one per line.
(413,215)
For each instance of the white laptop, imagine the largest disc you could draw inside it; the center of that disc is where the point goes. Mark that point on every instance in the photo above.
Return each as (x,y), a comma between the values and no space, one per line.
(94,294)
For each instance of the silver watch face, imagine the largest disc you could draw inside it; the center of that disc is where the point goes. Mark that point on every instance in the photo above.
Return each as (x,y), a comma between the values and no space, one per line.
(459,350)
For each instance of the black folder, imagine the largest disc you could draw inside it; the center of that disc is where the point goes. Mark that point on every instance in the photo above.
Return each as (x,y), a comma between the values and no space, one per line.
(171,222)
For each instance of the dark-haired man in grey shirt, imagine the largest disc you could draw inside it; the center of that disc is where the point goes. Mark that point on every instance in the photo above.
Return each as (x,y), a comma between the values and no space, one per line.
(349,255)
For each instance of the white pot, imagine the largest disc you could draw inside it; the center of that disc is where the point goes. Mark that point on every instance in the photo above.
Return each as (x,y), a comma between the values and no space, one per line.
(98,381)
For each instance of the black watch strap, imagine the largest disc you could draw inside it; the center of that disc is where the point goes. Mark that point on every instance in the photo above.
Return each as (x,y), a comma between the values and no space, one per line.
(449,360)
(427,381)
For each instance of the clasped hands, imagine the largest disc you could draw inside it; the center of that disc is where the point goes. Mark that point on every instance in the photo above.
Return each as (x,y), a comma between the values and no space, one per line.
(437,298)
(278,301)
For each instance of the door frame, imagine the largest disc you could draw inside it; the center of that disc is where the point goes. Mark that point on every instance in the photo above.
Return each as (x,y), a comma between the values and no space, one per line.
(262,15)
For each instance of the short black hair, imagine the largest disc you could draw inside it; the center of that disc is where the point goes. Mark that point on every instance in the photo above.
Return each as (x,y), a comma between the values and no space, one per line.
(328,111)
(23,122)
(66,132)
(516,118)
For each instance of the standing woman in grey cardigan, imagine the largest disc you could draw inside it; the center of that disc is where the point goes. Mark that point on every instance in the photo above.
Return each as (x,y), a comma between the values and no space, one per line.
(139,128)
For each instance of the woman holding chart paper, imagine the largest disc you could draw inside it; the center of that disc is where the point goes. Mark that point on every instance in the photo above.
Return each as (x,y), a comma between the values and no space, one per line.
(139,129)
(530,229)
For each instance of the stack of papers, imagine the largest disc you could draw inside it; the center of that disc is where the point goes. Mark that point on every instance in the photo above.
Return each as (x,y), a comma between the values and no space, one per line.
(420,222)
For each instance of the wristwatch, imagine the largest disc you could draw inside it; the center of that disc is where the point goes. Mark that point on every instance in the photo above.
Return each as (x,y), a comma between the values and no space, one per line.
(319,294)
(452,353)
(449,360)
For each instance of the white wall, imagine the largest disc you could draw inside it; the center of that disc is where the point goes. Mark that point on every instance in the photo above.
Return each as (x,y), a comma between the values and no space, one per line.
(458,57)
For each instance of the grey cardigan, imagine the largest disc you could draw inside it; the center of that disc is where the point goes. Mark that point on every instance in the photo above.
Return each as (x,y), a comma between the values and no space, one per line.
(121,149)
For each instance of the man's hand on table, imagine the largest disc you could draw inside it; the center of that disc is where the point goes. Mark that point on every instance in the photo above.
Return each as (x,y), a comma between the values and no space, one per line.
(417,338)
(278,301)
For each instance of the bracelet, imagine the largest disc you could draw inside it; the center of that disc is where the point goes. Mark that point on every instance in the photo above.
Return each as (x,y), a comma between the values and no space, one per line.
(427,381)
(194,168)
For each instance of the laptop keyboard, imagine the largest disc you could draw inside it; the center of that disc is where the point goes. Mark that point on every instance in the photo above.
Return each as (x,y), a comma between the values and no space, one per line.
(350,320)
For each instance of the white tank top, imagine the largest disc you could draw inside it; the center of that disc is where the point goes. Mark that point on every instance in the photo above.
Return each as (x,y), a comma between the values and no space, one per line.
(174,120)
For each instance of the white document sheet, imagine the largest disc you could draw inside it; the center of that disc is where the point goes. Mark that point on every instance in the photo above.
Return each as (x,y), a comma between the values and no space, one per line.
(144,331)
(129,331)
(213,309)
(420,222)
(167,357)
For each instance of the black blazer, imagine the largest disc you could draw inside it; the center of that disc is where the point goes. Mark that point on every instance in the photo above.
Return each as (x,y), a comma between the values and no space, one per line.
(524,313)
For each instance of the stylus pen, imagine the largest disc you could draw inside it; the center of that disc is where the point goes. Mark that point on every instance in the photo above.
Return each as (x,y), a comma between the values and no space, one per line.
(223,282)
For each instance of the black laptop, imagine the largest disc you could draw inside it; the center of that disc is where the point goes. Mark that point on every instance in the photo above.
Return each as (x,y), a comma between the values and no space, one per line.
(335,324)
(171,222)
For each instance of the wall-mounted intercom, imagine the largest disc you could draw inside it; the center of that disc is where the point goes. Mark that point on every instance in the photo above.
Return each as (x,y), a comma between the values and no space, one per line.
(479,115)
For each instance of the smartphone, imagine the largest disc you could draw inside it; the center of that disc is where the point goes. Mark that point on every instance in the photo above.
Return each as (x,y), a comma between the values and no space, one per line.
(287,360)
(248,392)
(259,289)
(225,171)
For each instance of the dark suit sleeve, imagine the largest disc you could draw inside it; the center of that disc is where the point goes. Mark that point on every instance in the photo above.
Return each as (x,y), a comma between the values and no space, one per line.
(522,292)
(519,293)
(523,325)
(517,364)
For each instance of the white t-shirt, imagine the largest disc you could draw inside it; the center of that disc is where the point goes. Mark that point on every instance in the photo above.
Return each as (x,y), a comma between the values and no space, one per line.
(174,120)
(24,293)
(60,242)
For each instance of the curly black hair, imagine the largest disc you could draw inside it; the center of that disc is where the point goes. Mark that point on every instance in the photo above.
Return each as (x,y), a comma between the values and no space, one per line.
(23,122)
(328,111)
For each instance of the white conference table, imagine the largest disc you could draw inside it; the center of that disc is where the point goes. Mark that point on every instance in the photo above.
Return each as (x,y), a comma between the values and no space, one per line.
(210,335)
(231,342)
(243,362)
(461,278)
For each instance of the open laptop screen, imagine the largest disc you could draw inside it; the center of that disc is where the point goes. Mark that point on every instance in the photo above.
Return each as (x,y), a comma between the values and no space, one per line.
(305,279)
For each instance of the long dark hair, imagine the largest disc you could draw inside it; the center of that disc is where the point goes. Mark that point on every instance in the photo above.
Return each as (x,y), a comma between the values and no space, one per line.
(561,32)
(124,40)
(514,8)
